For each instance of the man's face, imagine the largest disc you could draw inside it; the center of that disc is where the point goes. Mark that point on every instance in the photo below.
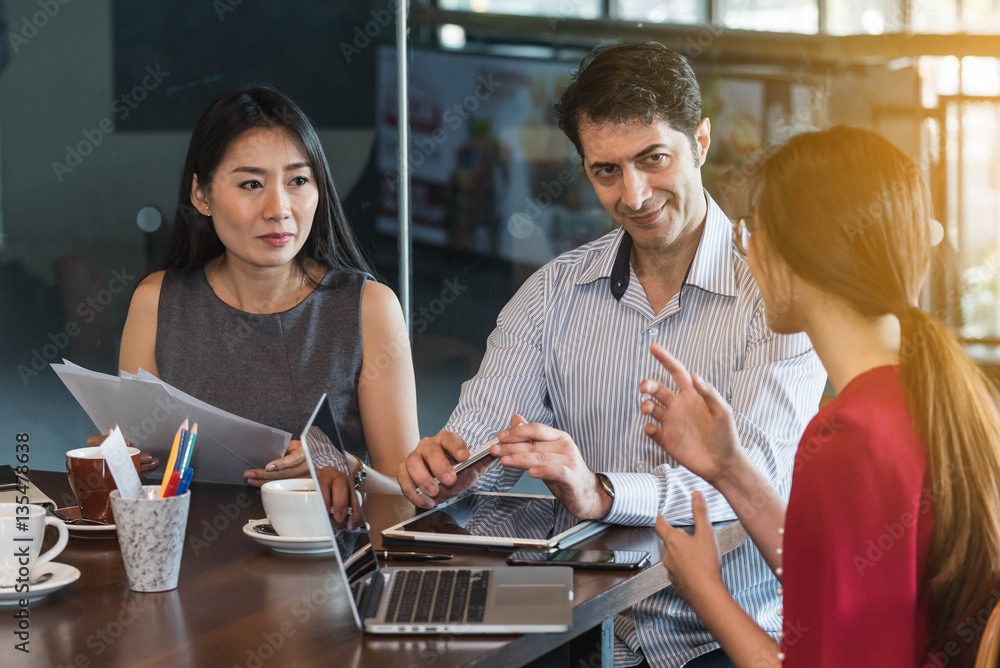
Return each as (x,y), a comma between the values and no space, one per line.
(647,177)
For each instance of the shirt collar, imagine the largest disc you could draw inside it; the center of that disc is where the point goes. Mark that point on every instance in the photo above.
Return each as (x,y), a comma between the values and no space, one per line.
(602,267)
(711,269)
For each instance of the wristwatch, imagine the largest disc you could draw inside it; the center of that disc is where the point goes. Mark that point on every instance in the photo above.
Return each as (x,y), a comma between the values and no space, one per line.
(606,485)
(360,475)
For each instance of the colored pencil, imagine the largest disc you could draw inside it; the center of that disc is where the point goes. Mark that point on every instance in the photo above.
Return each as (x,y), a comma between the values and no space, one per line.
(172,459)
(192,436)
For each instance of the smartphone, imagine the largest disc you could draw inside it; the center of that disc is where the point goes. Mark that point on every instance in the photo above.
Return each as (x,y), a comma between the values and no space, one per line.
(8,478)
(618,560)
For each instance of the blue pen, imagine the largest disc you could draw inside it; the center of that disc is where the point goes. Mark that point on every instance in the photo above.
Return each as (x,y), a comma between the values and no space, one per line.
(180,450)
(185,481)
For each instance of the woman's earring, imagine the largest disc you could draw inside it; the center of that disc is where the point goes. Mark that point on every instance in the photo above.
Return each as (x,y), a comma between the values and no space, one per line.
(208,211)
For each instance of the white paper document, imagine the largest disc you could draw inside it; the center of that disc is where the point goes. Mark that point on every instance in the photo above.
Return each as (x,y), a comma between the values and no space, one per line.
(120,462)
(149,411)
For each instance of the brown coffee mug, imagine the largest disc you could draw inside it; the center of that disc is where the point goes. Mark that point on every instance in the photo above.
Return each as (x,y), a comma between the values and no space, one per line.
(92,482)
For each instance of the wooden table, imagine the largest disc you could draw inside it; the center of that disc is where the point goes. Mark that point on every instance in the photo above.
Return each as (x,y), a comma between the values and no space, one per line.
(239,604)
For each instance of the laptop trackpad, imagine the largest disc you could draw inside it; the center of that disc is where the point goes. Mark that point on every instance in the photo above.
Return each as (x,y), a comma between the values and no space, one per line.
(533,594)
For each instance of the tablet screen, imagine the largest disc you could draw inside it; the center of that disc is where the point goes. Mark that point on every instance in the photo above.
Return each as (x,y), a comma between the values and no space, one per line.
(496,516)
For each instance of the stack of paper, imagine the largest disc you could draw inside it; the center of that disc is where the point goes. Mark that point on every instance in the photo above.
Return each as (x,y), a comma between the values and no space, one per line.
(148,411)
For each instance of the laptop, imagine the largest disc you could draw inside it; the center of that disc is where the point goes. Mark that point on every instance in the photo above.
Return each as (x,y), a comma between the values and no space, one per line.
(466,600)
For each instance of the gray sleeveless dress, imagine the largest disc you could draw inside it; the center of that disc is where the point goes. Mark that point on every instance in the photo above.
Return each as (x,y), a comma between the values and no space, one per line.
(269,368)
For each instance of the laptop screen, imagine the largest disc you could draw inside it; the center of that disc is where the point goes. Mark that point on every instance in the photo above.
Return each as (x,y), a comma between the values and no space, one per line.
(322,446)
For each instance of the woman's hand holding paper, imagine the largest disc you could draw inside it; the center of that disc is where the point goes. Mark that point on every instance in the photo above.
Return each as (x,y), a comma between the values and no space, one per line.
(292,465)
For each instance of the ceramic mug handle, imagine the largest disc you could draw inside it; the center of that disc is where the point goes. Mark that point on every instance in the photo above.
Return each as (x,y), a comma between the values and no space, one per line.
(60,545)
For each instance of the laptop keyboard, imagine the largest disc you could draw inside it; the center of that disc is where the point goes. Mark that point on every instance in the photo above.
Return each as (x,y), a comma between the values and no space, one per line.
(456,596)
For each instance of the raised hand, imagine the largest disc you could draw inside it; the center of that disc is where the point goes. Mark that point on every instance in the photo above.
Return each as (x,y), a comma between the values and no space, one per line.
(692,561)
(695,423)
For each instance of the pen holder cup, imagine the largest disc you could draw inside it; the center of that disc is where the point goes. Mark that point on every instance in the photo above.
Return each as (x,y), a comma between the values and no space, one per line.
(151,535)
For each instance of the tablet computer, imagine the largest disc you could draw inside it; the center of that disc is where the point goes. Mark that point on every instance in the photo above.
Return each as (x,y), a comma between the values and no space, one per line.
(496,520)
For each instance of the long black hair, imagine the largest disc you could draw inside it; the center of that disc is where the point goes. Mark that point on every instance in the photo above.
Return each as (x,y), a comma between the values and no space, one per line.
(193,241)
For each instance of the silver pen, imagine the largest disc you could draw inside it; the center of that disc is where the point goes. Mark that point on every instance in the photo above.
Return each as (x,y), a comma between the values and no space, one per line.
(411,556)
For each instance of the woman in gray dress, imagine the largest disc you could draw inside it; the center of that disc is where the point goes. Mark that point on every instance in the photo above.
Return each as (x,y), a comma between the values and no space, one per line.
(264,302)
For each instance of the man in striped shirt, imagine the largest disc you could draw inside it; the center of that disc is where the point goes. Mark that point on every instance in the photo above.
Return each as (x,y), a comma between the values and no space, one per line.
(571,348)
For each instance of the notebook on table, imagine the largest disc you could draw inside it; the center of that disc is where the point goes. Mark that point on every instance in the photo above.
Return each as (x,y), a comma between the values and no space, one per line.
(433,599)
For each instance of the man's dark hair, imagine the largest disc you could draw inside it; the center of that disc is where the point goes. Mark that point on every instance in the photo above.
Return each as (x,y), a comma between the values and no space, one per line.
(625,83)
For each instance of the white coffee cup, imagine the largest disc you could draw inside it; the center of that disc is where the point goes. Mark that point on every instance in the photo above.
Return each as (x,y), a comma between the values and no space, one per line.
(22,529)
(292,508)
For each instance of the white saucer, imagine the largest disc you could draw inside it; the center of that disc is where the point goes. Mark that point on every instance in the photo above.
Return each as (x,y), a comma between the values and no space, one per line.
(62,575)
(289,544)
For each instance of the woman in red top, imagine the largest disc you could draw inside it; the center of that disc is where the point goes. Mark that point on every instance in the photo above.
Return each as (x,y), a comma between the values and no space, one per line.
(889,546)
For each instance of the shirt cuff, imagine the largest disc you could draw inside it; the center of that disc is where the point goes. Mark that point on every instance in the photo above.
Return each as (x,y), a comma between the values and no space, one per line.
(637,499)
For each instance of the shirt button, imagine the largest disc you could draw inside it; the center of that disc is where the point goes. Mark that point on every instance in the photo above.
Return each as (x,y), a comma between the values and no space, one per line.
(654,331)
(640,467)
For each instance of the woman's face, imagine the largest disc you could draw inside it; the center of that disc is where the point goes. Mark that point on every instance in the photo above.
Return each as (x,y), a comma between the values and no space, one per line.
(263,198)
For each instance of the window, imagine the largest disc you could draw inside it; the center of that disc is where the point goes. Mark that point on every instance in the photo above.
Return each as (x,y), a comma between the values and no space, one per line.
(801,16)
(864,17)
(578,9)
(660,11)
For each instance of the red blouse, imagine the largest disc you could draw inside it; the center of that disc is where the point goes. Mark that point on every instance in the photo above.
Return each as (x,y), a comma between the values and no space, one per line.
(857,533)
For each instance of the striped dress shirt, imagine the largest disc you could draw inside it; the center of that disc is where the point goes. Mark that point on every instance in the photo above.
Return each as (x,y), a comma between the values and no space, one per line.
(570,349)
